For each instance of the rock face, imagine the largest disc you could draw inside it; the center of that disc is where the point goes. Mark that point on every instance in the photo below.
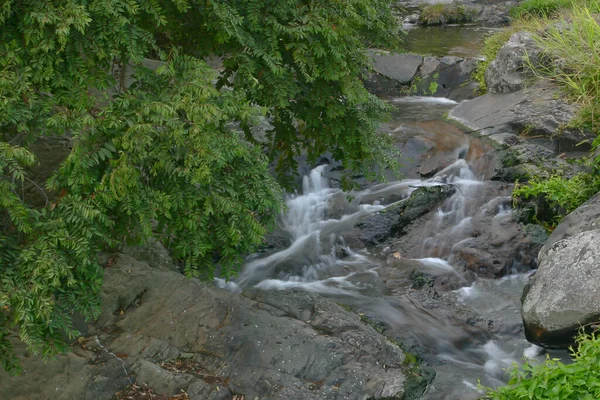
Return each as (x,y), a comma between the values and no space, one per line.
(538,109)
(564,293)
(159,328)
(508,72)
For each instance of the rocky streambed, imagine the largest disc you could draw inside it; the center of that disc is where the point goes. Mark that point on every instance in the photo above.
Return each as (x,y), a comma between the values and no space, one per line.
(409,289)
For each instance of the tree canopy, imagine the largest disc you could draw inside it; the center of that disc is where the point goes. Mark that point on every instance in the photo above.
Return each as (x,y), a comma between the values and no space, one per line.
(173,155)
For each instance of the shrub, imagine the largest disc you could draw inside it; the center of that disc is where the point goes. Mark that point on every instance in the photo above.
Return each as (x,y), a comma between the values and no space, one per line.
(445,13)
(547,201)
(554,380)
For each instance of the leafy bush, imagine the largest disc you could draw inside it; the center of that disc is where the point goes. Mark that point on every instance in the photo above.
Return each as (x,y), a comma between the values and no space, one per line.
(554,380)
(445,13)
(172,156)
(547,201)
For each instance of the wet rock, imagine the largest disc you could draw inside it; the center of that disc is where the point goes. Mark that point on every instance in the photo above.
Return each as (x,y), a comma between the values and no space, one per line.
(276,345)
(392,221)
(509,70)
(422,201)
(481,262)
(435,161)
(563,294)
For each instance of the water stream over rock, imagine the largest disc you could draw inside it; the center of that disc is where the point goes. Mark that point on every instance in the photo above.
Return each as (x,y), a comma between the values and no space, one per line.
(424,284)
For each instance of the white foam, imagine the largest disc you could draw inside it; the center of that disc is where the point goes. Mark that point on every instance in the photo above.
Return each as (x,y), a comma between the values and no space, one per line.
(423,99)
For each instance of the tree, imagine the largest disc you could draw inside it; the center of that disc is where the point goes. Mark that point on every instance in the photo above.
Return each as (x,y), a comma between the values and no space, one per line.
(172,156)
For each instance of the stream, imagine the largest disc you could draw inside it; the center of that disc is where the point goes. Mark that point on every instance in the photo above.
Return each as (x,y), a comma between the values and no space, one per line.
(470,329)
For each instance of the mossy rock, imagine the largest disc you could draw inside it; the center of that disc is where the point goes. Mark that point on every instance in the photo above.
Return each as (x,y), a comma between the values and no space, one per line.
(421,201)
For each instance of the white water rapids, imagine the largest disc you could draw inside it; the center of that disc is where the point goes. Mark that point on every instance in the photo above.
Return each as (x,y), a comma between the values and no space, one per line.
(318,221)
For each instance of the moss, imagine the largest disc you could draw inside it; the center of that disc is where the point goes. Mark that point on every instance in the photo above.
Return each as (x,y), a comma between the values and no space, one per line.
(445,13)
(419,280)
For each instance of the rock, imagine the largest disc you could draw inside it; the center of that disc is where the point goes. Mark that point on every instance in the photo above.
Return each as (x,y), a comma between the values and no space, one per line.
(563,294)
(393,221)
(584,218)
(450,76)
(481,262)
(399,67)
(435,161)
(539,105)
(392,71)
(509,70)
(262,344)
(429,66)
(154,253)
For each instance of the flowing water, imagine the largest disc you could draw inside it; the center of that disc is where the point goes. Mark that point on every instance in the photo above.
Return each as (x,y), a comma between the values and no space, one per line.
(322,258)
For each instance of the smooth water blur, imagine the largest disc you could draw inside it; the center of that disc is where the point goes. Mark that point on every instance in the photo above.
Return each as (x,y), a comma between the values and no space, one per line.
(319,260)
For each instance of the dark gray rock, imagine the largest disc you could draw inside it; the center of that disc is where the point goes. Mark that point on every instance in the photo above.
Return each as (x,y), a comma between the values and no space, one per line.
(401,68)
(275,345)
(563,295)
(394,220)
(539,109)
(429,66)
(509,71)
(450,76)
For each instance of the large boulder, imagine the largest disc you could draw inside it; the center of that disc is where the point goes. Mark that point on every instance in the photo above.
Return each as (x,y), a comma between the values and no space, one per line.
(585,218)
(171,333)
(509,70)
(563,295)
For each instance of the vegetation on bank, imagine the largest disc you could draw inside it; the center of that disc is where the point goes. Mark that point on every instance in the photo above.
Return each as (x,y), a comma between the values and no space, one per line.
(445,13)
(568,33)
(173,156)
(553,379)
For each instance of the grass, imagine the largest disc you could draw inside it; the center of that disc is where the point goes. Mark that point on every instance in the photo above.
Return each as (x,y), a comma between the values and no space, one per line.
(539,8)
(445,13)
(574,41)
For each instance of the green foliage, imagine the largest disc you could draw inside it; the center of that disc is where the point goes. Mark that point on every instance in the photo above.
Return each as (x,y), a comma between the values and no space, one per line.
(167,152)
(539,8)
(490,50)
(574,40)
(554,380)
(548,200)
(445,13)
